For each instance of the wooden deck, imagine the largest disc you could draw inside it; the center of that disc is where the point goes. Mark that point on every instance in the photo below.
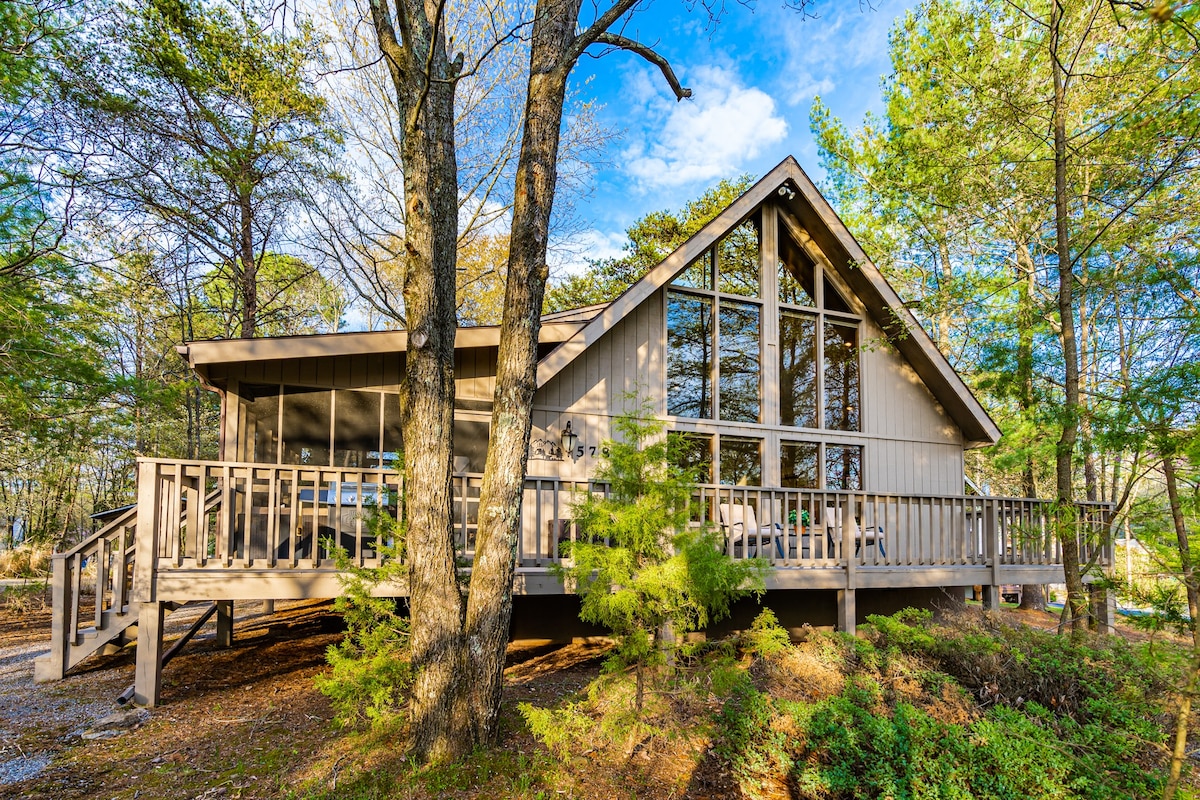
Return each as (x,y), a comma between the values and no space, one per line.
(223,531)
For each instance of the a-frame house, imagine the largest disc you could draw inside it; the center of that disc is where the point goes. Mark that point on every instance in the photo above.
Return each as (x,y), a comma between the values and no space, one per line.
(828,430)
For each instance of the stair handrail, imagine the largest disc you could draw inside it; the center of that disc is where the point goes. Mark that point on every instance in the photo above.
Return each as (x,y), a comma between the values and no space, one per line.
(113,584)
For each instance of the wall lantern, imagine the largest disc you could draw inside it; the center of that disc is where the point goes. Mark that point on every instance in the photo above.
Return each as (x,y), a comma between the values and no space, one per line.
(568,439)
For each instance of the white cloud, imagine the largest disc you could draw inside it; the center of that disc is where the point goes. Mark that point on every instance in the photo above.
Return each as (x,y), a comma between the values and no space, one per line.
(713,135)
(846,43)
(570,255)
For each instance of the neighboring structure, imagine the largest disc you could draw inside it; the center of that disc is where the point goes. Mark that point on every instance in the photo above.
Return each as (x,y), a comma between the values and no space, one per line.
(818,410)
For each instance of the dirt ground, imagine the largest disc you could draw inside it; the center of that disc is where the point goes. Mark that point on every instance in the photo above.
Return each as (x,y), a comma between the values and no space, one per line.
(244,722)
(247,722)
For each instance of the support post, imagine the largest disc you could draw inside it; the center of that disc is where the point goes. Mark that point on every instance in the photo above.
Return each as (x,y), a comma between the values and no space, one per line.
(147,680)
(268,606)
(847,612)
(54,666)
(994,550)
(224,623)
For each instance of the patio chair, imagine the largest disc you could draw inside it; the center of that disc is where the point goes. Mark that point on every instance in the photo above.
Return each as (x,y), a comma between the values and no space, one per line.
(738,519)
(833,532)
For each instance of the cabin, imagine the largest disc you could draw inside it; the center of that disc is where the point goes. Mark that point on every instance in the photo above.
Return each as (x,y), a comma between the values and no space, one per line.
(827,429)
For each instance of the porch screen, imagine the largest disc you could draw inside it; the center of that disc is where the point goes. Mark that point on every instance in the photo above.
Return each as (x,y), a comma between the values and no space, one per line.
(259,433)
(306,431)
(356,429)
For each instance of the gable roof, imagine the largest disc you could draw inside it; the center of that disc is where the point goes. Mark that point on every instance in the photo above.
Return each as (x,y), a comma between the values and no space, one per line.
(832,238)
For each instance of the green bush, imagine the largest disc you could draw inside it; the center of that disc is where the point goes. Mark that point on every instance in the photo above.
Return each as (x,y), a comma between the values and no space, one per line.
(370,669)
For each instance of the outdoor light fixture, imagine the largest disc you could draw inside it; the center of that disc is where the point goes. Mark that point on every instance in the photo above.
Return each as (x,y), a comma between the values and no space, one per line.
(568,440)
(787,191)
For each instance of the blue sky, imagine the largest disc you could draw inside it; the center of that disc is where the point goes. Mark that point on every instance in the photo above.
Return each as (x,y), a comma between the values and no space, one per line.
(753,75)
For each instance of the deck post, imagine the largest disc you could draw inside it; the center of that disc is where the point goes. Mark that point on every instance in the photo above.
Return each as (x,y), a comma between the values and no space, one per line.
(994,549)
(54,666)
(147,680)
(224,623)
(847,611)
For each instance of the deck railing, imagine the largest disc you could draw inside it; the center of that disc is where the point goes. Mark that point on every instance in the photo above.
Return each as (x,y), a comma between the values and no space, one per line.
(290,517)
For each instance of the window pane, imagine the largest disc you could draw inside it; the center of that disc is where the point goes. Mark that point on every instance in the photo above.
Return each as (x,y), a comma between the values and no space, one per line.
(689,356)
(356,429)
(259,438)
(393,433)
(841,377)
(843,467)
(834,301)
(737,260)
(692,452)
(306,426)
(797,273)
(698,274)
(470,442)
(797,370)
(741,461)
(739,366)
(799,462)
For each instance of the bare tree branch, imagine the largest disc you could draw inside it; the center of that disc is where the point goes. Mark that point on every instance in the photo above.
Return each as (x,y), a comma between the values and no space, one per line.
(648,53)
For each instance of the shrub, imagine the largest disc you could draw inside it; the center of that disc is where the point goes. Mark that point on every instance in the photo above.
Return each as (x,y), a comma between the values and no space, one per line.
(370,668)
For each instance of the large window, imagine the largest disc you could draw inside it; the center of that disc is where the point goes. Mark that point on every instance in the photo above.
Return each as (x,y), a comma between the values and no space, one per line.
(818,346)
(714,335)
(721,314)
(804,467)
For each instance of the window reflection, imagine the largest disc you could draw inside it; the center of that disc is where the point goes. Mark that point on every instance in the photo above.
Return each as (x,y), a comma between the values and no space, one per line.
(741,461)
(800,462)
(797,273)
(689,356)
(692,452)
(737,260)
(843,467)
(798,369)
(841,377)
(699,273)
(739,381)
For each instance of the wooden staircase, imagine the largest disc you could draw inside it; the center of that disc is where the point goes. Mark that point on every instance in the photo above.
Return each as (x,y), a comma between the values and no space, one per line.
(93,583)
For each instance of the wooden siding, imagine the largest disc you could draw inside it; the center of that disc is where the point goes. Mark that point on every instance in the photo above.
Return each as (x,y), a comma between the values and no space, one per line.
(474,370)
(629,358)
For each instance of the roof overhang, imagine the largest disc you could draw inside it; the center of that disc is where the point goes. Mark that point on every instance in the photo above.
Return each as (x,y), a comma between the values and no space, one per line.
(227,351)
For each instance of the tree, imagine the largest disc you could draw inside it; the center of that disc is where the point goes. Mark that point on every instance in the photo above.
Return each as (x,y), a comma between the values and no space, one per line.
(1085,99)
(639,568)
(651,239)
(204,126)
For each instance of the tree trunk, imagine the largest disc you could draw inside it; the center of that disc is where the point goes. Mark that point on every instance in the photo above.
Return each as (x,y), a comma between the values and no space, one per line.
(1076,605)
(1033,595)
(489,608)
(248,285)
(1192,678)
(425,83)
